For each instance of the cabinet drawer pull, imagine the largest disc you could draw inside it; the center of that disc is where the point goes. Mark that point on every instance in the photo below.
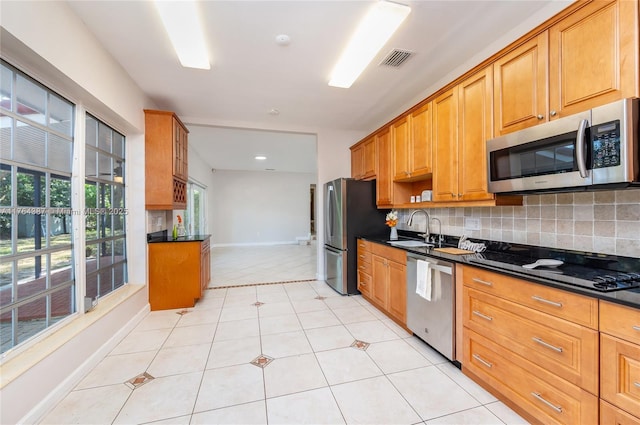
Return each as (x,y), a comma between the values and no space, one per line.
(481,360)
(542,300)
(546,344)
(484,316)
(362,256)
(548,403)
(637,384)
(484,282)
(636,328)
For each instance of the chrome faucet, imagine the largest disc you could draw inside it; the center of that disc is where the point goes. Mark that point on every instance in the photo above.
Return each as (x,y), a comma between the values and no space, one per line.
(440,237)
(426,233)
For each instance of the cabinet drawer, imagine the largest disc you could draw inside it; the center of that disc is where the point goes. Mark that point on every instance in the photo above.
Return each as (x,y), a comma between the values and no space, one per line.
(363,245)
(392,254)
(610,415)
(541,394)
(365,267)
(364,282)
(556,302)
(620,373)
(620,321)
(564,348)
(364,256)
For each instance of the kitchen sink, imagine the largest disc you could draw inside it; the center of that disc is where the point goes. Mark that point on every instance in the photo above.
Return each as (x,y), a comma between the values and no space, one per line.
(410,244)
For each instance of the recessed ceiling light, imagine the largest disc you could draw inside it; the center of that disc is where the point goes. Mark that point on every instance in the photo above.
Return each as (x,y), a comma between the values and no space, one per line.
(274,111)
(261,157)
(283,39)
(374,31)
(182,23)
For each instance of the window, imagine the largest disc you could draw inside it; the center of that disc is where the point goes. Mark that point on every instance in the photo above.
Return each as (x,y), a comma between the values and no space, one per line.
(196,216)
(37,286)
(105,209)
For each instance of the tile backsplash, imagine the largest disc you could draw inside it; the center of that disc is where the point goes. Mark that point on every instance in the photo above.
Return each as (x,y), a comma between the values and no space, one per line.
(605,222)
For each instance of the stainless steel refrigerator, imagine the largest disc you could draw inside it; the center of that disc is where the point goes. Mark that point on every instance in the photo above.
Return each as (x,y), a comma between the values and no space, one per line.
(350,212)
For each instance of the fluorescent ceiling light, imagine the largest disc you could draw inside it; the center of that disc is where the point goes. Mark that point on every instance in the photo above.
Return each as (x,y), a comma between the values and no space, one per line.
(261,157)
(372,34)
(182,23)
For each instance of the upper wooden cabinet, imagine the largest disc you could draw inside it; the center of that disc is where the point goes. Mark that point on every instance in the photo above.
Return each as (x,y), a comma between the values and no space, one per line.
(588,58)
(520,92)
(412,145)
(363,160)
(475,104)
(593,57)
(166,166)
(384,186)
(445,146)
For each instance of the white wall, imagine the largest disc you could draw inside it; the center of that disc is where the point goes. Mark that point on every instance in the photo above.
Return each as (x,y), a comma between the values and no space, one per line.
(46,40)
(258,207)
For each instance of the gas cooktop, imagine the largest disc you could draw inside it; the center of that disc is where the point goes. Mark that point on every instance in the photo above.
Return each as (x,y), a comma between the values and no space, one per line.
(598,279)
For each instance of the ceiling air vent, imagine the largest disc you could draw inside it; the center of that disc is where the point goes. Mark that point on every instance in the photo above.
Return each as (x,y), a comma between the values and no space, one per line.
(396,57)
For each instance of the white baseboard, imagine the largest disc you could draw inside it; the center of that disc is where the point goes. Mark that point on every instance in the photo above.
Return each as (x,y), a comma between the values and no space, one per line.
(255,243)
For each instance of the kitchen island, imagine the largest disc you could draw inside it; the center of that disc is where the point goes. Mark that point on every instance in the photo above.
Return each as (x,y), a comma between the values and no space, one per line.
(179,270)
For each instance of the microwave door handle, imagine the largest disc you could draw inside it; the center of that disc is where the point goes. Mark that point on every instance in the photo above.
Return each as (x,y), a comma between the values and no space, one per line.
(581,157)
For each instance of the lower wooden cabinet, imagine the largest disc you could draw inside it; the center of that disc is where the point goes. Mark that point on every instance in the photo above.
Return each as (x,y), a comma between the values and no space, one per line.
(620,363)
(178,273)
(611,415)
(543,363)
(386,285)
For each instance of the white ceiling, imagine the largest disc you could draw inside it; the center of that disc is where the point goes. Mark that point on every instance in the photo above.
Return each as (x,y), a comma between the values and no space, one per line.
(251,74)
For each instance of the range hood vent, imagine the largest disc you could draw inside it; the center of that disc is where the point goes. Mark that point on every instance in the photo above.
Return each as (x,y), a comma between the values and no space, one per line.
(396,57)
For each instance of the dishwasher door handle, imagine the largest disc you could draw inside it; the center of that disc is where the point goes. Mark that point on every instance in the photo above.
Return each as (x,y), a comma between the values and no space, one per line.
(442,269)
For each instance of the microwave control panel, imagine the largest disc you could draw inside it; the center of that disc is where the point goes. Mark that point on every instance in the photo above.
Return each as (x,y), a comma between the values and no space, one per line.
(606,144)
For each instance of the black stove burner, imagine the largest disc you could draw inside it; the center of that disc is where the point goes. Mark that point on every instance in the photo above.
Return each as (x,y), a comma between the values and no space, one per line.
(573,274)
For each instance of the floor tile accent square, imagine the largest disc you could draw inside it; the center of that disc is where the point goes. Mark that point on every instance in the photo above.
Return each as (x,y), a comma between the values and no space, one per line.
(258,303)
(139,380)
(183,312)
(320,297)
(261,361)
(360,345)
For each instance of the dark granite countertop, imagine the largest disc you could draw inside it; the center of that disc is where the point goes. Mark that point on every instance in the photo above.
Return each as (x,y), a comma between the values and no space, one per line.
(529,253)
(165,238)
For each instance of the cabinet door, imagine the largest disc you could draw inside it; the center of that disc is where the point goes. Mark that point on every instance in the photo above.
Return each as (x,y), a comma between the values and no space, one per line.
(420,154)
(380,278)
(520,92)
(475,104)
(398,291)
(592,57)
(369,159)
(384,185)
(445,146)
(180,145)
(357,162)
(401,150)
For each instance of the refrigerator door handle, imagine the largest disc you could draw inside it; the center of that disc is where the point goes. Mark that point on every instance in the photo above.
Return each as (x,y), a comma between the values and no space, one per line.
(330,207)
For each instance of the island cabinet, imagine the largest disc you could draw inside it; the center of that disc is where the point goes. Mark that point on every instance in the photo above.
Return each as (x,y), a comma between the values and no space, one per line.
(363,160)
(535,347)
(166,161)
(385,278)
(461,127)
(179,272)
(586,59)
(619,364)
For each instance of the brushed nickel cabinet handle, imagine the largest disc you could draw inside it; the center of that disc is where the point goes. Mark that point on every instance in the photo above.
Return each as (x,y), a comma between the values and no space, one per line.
(637,384)
(540,116)
(484,316)
(542,300)
(636,328)
(553,113)
(546,344)
(548,403)
(481,360)
(484,282)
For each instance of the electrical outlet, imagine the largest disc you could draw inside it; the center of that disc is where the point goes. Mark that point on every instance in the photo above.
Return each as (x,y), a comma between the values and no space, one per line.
(471,223)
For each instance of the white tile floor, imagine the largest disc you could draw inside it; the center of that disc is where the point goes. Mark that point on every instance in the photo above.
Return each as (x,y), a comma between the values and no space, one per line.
(196,366)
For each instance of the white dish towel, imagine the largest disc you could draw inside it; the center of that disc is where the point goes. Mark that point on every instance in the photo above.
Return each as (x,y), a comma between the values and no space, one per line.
(423,280)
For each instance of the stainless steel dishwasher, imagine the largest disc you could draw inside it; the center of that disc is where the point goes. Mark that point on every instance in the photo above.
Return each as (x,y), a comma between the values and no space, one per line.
(432,321)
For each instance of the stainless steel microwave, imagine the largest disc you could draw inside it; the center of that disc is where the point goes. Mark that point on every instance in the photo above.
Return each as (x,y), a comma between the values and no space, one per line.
(592,150)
